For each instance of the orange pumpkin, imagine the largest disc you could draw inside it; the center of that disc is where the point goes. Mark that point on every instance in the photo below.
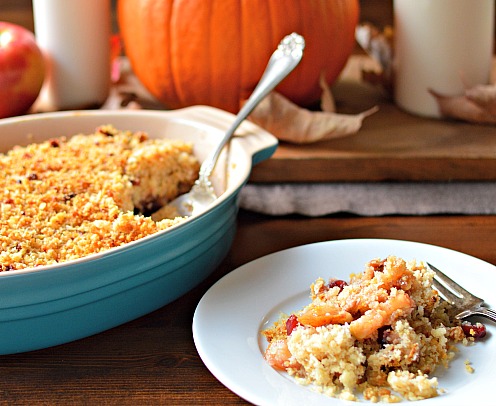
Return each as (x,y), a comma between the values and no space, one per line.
(213,52)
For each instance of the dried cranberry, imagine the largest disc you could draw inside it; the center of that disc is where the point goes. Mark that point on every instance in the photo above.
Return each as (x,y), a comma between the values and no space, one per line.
(54,143)
(477,330)
(105,131)
(32,176)
(383,335)
(142,136)
(69,196)
(337,282)
(6,268)
(291,323)
(378,265)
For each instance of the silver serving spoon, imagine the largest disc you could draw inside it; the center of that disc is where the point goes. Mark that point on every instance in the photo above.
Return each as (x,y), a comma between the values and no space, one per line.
(284,59)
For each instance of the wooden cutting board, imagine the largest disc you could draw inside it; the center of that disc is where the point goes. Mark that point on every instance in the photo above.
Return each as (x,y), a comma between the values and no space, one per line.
(392,145)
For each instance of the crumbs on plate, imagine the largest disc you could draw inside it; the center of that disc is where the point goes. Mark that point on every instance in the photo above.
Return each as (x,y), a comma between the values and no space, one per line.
(382,334)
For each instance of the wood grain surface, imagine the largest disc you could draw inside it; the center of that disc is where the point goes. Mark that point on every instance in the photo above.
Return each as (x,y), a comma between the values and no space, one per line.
(392,145)
(153,360)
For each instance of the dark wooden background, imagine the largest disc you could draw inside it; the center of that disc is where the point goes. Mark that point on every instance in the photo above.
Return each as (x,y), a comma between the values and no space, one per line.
(377,11)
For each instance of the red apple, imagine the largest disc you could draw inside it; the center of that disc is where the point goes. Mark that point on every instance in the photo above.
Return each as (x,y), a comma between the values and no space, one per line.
(22,69)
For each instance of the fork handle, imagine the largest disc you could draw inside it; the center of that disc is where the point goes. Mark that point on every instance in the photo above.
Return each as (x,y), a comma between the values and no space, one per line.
(479,311)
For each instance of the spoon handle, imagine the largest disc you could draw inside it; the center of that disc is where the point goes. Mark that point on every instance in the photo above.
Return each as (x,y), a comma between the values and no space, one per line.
(284,59)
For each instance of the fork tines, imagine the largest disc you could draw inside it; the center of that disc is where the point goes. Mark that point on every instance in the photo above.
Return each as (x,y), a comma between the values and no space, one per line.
(449,289)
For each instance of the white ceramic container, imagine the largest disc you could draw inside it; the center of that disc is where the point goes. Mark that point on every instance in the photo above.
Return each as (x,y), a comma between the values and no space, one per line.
(442,45)
(74,35)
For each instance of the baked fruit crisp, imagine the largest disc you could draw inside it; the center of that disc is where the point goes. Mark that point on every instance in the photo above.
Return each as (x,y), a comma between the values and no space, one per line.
(381,334)
(64,199)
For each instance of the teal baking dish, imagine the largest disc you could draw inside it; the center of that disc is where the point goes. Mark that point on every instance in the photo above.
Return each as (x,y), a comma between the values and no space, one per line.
(50,305)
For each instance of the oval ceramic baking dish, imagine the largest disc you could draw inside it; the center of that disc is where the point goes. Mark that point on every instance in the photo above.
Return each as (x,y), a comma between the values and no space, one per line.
(50,305)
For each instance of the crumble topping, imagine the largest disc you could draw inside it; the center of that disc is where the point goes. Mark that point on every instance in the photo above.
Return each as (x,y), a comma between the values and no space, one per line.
(382,334)
(66,198)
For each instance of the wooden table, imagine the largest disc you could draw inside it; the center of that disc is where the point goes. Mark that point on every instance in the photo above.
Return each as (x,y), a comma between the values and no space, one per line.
(392,145)
(153,360)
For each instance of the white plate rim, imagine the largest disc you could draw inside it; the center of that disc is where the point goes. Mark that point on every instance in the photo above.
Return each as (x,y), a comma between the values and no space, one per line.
(230,315)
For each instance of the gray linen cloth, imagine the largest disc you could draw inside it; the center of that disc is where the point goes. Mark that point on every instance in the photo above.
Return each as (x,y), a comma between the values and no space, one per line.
(371,199)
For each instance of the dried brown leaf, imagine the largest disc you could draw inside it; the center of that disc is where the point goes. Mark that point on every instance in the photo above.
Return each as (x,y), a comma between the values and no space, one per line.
(463,108)
(379,45)
(327,102)
(484,96)
(294,124)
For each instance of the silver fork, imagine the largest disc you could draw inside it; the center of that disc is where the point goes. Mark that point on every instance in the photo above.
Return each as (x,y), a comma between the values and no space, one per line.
(464,303)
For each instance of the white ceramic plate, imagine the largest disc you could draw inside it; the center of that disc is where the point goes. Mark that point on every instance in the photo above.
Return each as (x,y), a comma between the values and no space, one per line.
(229,318)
